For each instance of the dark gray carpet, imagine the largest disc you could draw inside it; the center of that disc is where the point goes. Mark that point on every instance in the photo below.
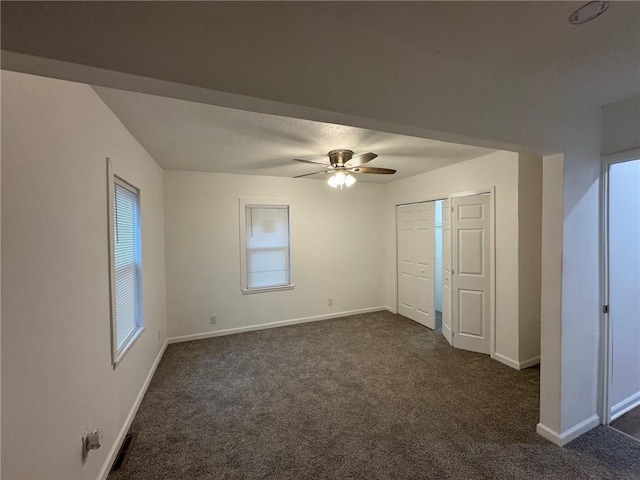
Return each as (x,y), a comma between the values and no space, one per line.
(371,396)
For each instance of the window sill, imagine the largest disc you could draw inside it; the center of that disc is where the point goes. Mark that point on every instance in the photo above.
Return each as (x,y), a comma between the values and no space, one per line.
(249,291)
(128,346)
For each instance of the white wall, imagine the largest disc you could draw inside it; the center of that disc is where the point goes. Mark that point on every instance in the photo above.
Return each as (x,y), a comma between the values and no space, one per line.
(579,331)
(529,256)
(337,250)
(57,377)
(621,126)
(624,281)
(498,169)
(551,292)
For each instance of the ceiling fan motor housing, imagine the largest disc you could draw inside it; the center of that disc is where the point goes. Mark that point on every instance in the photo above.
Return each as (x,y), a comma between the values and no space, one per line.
(340,157)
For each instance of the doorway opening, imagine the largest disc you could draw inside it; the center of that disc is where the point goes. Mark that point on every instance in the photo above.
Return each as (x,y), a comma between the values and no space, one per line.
(438,264)
(621,300)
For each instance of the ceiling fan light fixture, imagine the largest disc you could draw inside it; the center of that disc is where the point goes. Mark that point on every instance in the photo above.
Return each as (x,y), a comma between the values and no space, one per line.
(342,164)
(341,179)
(349,180)
(333,180)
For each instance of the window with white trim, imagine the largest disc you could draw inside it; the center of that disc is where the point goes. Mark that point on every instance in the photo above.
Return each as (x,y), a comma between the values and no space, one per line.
(126,297)
(265,250)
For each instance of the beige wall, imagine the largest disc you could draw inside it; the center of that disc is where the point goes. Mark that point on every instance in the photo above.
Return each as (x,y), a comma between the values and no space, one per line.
(57,377)
(551,288)
(529,256)
(337,248)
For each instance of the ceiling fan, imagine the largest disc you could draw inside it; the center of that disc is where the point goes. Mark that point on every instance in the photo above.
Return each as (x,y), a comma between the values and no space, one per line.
(342,163)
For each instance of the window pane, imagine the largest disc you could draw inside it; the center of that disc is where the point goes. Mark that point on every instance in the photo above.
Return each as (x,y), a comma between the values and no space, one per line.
(125,240)
(267,232)
(268,267)
(125,303)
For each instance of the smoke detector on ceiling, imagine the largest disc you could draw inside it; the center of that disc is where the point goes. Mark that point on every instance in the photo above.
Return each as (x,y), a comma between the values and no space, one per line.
(588,12)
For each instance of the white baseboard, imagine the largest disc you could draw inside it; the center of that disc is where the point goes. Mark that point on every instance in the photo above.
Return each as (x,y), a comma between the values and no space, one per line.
(529,363)
(111,457)
(506,360)
(391,309)
(514,364)
(264,326)
(565,437)
(624,406)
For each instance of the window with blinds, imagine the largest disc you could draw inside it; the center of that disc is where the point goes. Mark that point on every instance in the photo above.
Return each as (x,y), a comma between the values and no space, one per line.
(125,241)
(267,249)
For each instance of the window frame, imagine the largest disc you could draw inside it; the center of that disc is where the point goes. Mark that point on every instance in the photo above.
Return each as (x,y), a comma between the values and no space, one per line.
(264,203)
(117,354)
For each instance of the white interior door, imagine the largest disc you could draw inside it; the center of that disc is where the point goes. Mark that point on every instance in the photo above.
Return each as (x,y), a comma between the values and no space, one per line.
(416,260)
(471,227)
(447,329)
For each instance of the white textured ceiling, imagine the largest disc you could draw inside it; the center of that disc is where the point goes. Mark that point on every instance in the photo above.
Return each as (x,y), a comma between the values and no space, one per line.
(185,135)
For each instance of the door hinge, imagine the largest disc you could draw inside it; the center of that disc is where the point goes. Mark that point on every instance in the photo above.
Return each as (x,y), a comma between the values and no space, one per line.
(605,309)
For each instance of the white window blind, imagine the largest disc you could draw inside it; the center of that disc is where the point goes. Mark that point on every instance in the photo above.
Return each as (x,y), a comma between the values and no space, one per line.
(126,258)
(267,246)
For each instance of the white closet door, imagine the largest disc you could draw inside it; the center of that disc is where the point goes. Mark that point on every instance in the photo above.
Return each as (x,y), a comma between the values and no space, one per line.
(471,272)
(447,329)
(416,262)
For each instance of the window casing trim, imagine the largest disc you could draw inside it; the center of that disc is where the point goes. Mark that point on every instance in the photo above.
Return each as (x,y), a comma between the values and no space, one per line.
(117,354)
(265,203)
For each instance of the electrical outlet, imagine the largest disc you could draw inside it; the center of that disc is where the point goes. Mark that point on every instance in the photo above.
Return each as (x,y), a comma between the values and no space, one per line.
(91,440)
(213,319)
(159,335)
(330,302)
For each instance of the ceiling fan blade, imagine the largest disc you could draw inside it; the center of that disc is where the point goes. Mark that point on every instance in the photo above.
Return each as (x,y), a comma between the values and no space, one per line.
(314,173)
(361,159)
(386,171)
(310,161)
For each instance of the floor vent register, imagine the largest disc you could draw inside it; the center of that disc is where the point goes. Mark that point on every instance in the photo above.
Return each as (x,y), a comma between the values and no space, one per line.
(123,454)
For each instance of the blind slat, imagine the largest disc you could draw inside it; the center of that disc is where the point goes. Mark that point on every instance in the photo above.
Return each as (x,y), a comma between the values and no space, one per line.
(126,262)
(268,250)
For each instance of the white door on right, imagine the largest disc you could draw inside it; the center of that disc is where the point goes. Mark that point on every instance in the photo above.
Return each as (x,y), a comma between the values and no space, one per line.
(471,228)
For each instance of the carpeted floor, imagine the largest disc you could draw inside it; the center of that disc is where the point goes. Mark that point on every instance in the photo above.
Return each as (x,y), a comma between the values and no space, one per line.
(371,396)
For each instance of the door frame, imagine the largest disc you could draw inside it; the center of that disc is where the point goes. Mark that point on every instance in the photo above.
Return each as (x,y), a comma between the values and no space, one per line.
(606,367)
(491,191)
